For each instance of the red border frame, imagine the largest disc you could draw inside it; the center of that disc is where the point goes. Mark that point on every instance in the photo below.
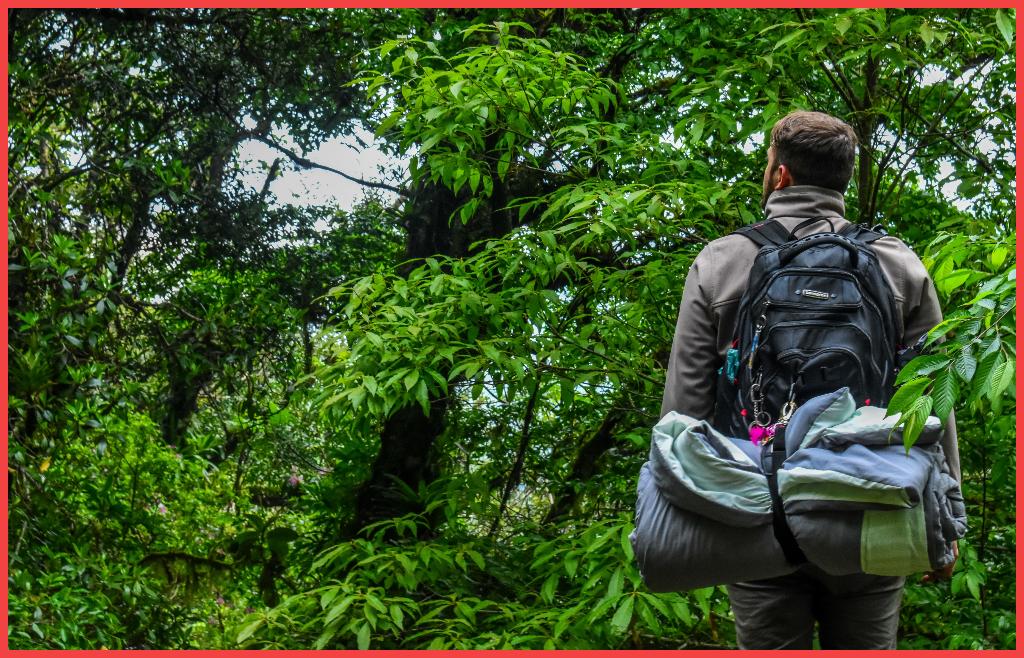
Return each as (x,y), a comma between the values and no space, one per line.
(935,4)
(507,4)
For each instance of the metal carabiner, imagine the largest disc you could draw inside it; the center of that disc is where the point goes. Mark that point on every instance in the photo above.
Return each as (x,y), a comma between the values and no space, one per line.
(790,406)
(787,411)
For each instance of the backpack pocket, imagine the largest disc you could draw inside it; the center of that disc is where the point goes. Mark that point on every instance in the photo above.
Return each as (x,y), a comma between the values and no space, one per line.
(820,290)
(825,370)
(824,355)
(810,336)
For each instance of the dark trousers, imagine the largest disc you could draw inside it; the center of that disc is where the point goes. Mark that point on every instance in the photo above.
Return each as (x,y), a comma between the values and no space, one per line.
(859,611)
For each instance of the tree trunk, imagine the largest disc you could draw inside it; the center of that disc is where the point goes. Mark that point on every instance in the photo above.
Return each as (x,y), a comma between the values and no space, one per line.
(183,390)
(869,177)
(406,455)
(408,436)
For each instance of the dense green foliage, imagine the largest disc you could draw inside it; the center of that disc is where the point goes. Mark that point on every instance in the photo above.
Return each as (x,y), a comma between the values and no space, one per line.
(417,422)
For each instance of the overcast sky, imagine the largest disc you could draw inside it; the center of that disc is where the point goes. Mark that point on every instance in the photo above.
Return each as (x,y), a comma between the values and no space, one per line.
(308,187)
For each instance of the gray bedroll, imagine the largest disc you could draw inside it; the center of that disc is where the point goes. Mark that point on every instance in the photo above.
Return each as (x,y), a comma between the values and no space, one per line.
(677,550)
(855,499)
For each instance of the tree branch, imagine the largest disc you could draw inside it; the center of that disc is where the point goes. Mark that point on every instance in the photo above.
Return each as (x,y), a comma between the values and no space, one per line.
(585,464)
(517,468)
(838,79)
(930,132)
(306,163)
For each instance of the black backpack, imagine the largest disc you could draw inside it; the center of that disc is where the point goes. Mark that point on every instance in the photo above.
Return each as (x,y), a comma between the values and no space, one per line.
(817,315)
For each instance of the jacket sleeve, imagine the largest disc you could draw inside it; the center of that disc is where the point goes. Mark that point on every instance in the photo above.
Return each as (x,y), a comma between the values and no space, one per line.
(922,312)
(690,382)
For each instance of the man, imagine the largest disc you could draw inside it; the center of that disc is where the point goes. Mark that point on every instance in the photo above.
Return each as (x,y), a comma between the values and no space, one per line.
(810,163)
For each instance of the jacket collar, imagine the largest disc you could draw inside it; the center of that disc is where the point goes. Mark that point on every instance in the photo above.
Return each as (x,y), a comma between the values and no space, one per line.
(803,202)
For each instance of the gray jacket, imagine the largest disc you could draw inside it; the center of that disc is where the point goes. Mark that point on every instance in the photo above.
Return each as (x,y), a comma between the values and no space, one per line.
(718,278)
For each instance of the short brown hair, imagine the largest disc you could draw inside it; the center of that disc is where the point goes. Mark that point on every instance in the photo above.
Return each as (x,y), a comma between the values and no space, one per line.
(817,148)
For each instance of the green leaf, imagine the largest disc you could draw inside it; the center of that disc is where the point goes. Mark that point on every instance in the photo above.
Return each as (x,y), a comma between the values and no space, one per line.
(548,238)
(477,559)
(997,256)
(376,603)
(547,590)
(467,211)
(627,546)
(927,33)
(622,616)
(329,595)
(682,610)
(491,352)
(433,114)
(563,622)
(356,396)
(914,418)
(504,160)
(965,365)
(1001,378)
(790,36)
(697,129)
(430,141)
(339,609)
(957,584)
(945,393)
(907,393)
(953,280)
(657,604)
(363,637)
(422,396)
(411,379)
(566,392)
(922,365)
(980,384)
(572,562)
(1005,26)
(939,331)
(974,587)
(248,631)
(616,583)
(396,615)
(647,615)
(703,598)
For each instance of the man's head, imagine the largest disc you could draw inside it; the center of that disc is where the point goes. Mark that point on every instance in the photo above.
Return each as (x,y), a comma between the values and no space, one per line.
(810,148)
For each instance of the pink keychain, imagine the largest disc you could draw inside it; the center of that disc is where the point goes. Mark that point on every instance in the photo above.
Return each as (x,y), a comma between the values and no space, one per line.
(760,433)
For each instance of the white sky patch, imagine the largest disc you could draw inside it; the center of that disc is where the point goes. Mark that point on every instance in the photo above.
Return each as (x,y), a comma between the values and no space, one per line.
(310,187)
(932,74)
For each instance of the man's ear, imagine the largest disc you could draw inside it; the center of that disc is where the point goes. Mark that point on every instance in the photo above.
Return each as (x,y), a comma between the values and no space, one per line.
(782,177)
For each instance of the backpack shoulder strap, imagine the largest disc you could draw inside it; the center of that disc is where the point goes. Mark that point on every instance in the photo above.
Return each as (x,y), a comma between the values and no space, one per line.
(765,234)
(863,233)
